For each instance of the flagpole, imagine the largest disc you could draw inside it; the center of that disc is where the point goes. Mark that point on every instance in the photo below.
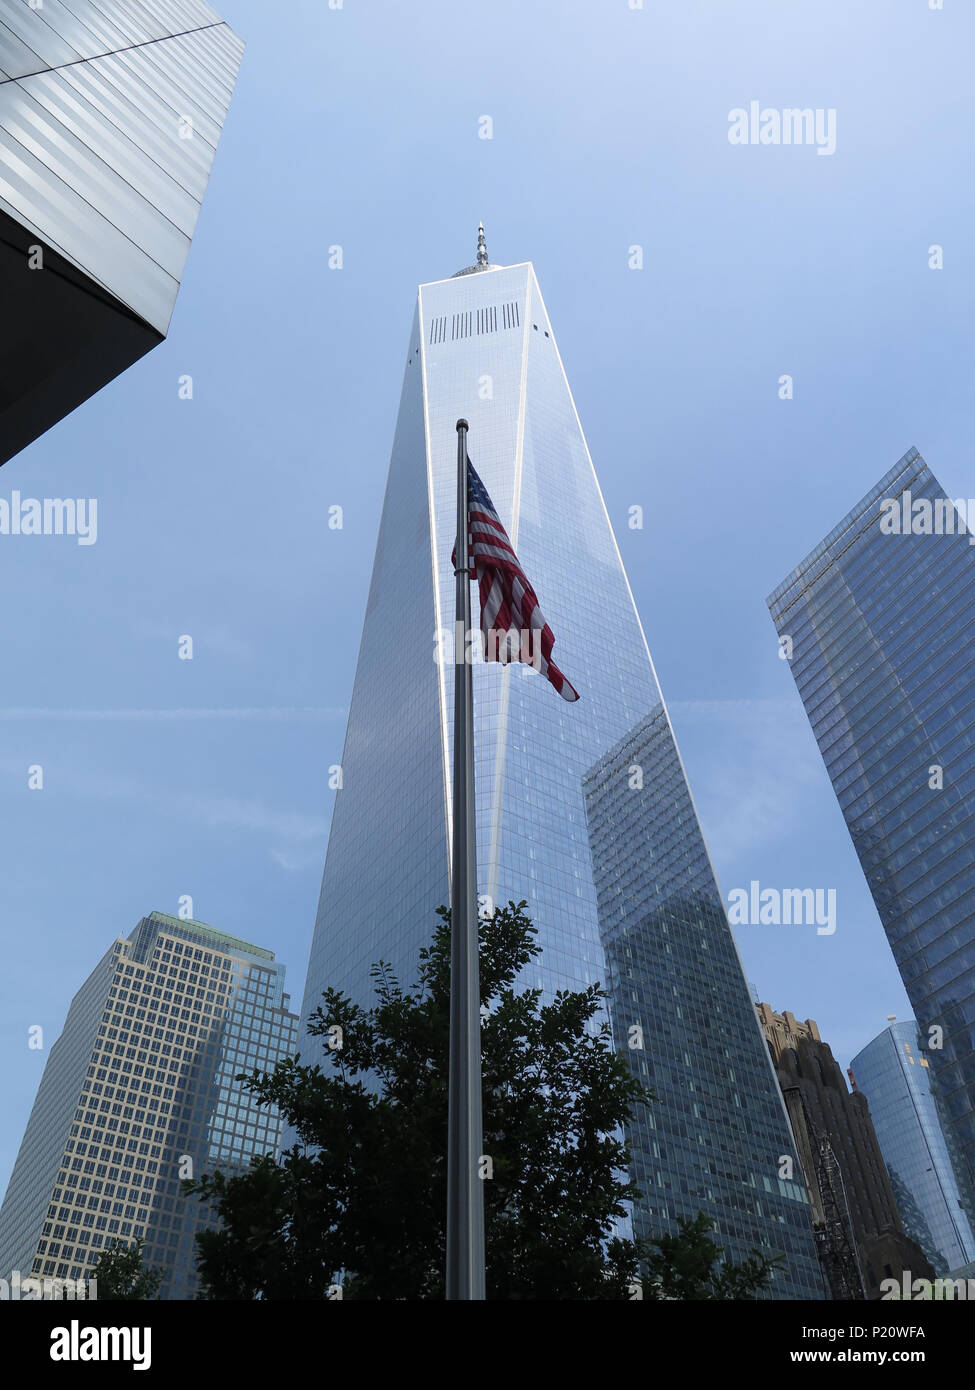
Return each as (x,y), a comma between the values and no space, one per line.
(465,1195)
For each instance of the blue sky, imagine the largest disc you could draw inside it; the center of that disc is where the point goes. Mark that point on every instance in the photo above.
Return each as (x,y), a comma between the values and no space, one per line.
(359,127)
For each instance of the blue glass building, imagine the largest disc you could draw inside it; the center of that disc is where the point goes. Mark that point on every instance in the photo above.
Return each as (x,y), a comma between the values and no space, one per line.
(894,1073)
(880,617)
(139,1092)
(613,865)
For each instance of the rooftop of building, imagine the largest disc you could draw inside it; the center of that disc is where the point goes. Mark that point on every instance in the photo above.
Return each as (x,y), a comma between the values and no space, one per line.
(788,1022)
(206,933)
(817,562)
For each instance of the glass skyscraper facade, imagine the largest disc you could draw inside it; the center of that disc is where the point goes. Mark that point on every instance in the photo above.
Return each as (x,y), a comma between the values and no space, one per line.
(879,621)
(893,1072)
(138,1093)
(617,877)
(110,115)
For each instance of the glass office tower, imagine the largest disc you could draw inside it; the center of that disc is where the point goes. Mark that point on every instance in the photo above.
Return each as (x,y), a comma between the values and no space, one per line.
(138,1092)
(110,115)
(617,877)
(880,617)
(894,1073)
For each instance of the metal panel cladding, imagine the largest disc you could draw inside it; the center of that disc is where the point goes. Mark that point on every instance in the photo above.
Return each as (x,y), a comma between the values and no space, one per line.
(110,114)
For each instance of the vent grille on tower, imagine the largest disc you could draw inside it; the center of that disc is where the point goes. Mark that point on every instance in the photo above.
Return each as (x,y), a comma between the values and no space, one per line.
(473,322)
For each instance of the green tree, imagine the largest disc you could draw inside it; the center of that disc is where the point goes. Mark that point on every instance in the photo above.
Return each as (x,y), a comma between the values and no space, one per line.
(688,1266)
(364,1191)
(120,1274)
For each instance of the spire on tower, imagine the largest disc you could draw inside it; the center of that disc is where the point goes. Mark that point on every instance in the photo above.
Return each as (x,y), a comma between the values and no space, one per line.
(482,262)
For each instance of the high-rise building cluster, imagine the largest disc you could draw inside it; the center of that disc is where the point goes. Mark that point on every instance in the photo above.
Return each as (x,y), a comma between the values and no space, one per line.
(584,810)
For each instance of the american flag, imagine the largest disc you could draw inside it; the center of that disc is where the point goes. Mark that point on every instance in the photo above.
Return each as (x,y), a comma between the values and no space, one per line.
(512,625)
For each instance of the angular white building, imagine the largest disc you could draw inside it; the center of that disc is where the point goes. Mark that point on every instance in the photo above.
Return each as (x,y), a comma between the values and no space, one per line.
(110,115)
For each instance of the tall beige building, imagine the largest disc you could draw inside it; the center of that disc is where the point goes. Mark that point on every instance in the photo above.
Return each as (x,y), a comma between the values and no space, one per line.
(138,1093)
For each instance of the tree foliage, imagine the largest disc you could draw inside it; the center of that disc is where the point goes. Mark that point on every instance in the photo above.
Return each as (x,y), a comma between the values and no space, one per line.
(360,1201)
(688,1266)
(120,1275)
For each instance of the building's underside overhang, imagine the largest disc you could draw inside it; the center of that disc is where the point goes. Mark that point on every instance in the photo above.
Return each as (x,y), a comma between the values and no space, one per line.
(62,338)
